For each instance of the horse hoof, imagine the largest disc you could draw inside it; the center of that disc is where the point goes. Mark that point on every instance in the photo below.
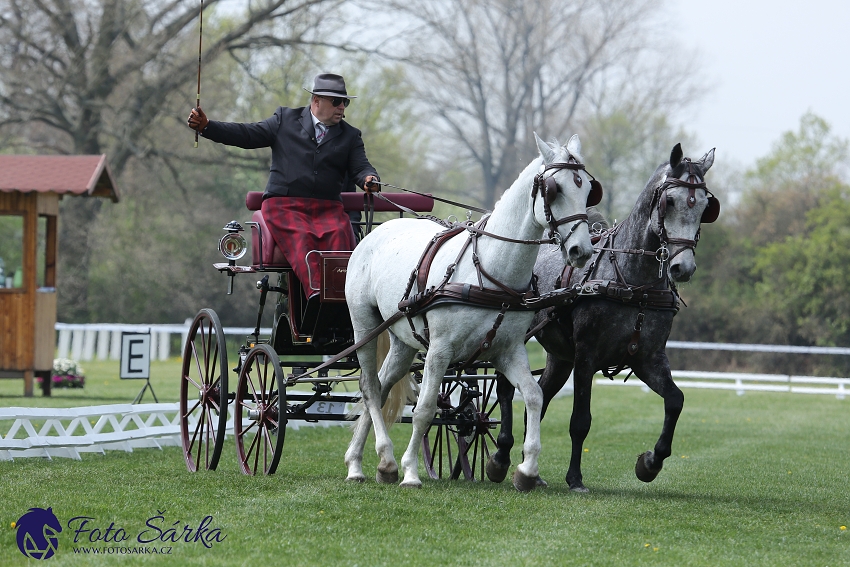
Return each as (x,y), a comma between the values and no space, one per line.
(496,472)
(411,484)
(579,488)
(542,483)
(524,483)
(387,477)
(356,478)
(643,472)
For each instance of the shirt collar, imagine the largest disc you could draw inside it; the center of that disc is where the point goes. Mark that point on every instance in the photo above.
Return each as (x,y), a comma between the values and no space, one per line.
(316,120)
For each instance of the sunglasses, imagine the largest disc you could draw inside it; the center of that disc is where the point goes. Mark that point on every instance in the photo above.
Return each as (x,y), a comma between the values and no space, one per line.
(336,101)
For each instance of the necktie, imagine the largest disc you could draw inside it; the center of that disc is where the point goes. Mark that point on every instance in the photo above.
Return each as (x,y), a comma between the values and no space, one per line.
(322,131)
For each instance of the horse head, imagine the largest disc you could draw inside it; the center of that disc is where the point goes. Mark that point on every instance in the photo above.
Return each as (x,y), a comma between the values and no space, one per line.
(566,190)
(680,204)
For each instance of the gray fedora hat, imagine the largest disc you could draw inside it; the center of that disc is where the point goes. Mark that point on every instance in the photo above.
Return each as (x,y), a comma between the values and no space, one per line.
(328,84)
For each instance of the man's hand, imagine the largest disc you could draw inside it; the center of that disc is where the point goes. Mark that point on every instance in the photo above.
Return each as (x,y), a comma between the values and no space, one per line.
(197,120)
(370,186)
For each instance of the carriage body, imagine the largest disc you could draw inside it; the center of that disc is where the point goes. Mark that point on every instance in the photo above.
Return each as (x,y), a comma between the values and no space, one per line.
(265,397)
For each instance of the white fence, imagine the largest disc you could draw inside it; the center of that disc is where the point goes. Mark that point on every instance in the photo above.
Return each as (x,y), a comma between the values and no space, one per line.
(58,432)
(741,382)
(102,341)
(67,432)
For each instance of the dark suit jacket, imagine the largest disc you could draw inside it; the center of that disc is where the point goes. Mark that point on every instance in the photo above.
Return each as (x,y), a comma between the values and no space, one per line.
(300,167)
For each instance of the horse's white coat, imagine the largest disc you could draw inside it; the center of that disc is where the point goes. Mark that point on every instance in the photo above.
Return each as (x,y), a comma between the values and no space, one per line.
(377,276)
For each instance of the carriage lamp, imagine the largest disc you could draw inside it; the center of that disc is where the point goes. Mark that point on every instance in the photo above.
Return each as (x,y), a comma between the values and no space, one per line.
(232,245)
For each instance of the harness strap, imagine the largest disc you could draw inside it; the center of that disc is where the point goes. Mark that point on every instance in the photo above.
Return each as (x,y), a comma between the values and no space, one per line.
(488,339)
(369,336)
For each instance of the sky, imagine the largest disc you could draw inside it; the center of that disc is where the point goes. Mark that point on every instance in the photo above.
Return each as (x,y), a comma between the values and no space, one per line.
(767,62)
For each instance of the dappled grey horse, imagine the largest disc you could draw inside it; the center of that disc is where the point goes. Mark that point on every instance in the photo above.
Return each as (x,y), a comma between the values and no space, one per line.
(621,310)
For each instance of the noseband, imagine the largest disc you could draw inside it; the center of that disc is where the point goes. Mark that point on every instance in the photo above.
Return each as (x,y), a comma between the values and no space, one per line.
(548,188)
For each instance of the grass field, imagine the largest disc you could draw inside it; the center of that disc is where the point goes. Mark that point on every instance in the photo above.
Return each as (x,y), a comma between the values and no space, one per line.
(761,479)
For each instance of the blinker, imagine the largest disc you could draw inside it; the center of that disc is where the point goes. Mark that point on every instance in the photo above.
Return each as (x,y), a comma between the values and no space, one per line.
(595,196)
(550,190)
(712,210)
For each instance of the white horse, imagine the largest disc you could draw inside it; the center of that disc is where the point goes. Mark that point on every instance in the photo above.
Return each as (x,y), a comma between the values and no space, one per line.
(379,271)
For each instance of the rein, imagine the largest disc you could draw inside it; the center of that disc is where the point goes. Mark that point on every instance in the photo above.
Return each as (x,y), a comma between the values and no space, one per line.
(503,298)
(405,209)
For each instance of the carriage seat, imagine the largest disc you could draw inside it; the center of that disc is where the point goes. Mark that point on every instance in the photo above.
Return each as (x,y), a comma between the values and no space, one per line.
(269,255)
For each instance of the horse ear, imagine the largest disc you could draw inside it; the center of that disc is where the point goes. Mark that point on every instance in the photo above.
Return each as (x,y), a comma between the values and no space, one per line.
(707,160)
(676,156)
(546,150)
(574,146)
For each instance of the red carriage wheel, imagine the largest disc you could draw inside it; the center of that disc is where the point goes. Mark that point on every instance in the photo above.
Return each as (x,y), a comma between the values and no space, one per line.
(203,392)
(259,417)
(460,440)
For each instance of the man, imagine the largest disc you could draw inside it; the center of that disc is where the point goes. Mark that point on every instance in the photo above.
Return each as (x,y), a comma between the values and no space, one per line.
(315,156)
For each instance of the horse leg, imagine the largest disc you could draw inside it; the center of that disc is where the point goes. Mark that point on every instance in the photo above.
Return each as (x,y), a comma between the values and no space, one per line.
(354,454)
(655,373)
(555,375)
(526,473)
(367,357)
(579,422)
(370,388)
(396,366)
(500,461)
(426,407)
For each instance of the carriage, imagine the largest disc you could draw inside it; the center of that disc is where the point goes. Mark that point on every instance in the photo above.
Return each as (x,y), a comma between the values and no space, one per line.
(269,386)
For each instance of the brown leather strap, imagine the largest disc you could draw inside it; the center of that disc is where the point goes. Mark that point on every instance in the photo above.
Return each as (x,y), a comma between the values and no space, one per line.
(369,336)
(424,265)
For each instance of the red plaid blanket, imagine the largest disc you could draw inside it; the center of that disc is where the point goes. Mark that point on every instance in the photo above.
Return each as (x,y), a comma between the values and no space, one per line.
(299,225)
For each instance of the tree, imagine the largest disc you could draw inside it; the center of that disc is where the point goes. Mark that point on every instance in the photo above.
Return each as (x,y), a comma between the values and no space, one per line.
(627,147)
(803,279)
(99,73)
(774,268)
(493,72)
(94,77)
(790,181)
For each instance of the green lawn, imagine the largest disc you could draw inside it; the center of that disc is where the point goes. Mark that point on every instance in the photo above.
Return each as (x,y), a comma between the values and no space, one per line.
(760,479)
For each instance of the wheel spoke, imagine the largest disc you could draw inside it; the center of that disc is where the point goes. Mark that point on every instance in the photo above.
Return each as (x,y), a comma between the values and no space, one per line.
(197,360)
(268,445)
(210,436)
(255,447)
(250,426)
(250,450)
(189,412)
(198,427)
(189,379)
(251,386)
(206,351)
(474,454)
(201,431)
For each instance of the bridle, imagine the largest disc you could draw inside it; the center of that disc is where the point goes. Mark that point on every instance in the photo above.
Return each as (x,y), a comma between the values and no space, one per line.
(659,199)
(548,189)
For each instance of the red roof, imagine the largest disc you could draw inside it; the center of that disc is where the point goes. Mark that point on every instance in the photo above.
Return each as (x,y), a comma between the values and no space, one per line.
(78,175)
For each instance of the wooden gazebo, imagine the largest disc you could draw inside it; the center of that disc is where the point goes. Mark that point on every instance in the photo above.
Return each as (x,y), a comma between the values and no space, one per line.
(30,190)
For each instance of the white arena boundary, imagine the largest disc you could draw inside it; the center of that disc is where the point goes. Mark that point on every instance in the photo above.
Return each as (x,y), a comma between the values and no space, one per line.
(68,432)
(741,382)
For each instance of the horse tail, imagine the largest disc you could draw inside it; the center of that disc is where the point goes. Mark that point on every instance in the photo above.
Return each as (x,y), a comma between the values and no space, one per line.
(400,394)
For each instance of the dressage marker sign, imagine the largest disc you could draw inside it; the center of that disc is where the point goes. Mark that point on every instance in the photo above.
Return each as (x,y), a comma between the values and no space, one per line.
(136,360)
